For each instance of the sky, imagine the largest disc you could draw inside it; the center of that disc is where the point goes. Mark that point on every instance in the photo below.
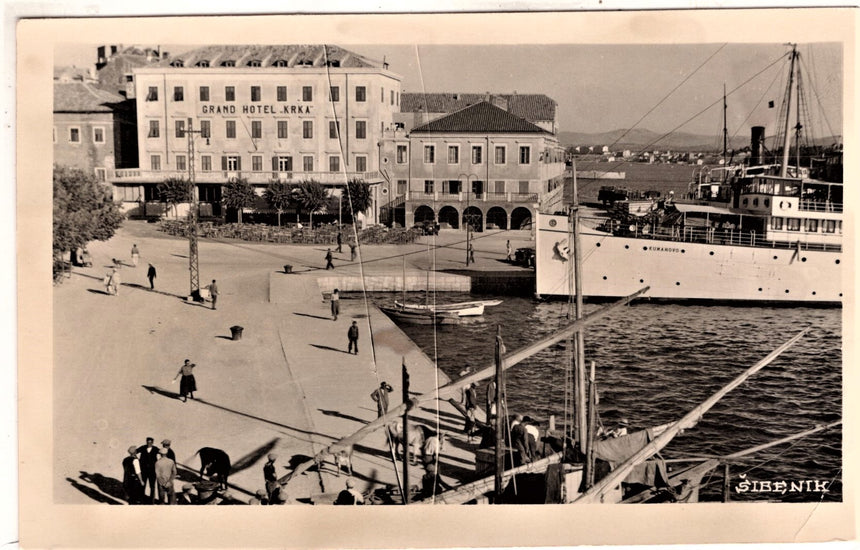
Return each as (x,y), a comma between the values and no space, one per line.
(599,88)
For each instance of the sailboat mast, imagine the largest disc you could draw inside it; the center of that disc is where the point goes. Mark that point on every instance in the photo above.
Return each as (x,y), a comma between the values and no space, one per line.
(787,143)
(580,399)
(725,127)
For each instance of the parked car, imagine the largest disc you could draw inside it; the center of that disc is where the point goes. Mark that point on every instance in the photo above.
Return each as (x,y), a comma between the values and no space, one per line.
(427,227)
(525,257)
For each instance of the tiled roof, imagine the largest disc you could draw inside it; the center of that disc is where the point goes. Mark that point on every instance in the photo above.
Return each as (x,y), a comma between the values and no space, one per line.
(81,97)
(533,107)
(67,74)
(313,55)
(481,118)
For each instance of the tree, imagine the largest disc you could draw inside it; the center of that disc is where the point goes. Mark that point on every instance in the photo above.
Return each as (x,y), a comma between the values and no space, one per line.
(357,198)
(84,210)
(175,191)
(311,195)
(238,194)
(279,196)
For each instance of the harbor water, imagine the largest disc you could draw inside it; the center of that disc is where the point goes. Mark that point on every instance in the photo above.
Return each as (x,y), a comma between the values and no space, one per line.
(655,362)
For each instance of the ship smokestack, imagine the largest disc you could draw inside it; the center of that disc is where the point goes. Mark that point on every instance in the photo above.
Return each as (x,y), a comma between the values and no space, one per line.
(757,146)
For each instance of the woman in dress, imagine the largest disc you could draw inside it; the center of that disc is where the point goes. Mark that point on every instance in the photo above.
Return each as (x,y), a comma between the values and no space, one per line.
(187,385)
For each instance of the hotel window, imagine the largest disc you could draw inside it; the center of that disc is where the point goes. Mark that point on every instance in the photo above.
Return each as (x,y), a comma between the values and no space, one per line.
(282,93)
(180,163)
(307,93)
(333,129)
(152,94)
(500,154)
(334,164)
(392,97)
(524,187)
(179,130)
(204,93)
(361,164)
(382,95)
(228,63)
(231,129)
(255,93)
(155,162)
(281,63)
(282,129)
(477,154)
(98,135)
(256,129)
(75,135)
(451,187)
(257,163)
(360,94)
(255,63)
(205,129)
(285,164)
(401,187)
(525,154)
(206,163)
(793,224)
(401,154)
(829,226)
(453,154)
(101,174)
(812,226)
(429,154)
(229,93)
(428,186)
(202,63)
(153,129)
(360,129)
(307,129)
(776,223)
(231,163)
(178,93)
(308,163)
(334,94)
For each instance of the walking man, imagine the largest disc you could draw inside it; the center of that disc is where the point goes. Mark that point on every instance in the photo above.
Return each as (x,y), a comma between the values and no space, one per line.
(187,385)
(150,274)
(510,251)
(165,474)
(113,282)
(471,253)
(352,247)
(135,255)
(352,334)
(271,476)
(339,242)
(132,479)
(213,291)
(328,257)
(335,304)
(380,395)
(148,457)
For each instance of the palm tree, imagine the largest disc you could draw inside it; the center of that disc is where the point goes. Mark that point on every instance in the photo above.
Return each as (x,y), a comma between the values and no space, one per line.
(279,196)
(238,194)
(175,191)
(357,197)
(311,195)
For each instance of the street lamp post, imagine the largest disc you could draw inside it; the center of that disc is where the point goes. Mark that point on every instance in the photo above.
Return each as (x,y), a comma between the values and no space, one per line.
(193,258)
(466,217)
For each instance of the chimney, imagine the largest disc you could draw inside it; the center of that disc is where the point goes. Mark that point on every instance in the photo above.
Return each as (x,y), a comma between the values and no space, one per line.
(757,146)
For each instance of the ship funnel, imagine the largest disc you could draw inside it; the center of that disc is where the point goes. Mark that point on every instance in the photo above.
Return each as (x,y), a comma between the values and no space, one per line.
(757,146)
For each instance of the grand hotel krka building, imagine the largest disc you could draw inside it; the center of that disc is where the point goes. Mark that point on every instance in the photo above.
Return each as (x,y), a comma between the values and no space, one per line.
(298,112)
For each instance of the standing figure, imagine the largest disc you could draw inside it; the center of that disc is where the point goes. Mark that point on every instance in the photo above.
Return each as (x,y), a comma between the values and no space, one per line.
(132,478)
(352,334)
(148,456)
(113,281)
(352,247)
(380,395)
(471,407)
(150,274)
(187,385)
(491,400)
(165,475)
(328,257)
(335,304)
(509,250)
(270,476)
(339,242)
(213,291)
(135,255)
(471,253)
(165,444)
(349,496)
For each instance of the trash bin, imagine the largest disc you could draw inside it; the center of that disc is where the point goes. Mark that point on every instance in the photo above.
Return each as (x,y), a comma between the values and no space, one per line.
(236,332)
(288,268)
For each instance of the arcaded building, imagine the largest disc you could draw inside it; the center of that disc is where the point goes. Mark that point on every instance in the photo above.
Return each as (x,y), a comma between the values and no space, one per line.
(263,113)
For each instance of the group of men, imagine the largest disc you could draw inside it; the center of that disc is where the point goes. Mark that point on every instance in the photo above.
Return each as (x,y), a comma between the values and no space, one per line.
(149,473)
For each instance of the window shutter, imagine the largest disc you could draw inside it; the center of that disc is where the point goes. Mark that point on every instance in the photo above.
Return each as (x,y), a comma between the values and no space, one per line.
(238,164)
(274,164)
(224,163)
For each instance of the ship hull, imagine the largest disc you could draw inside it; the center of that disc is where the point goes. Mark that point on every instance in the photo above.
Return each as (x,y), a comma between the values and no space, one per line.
(615,266)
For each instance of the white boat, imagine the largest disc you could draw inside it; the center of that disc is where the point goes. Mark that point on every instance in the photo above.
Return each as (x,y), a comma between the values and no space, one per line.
(759,234)
(463,309)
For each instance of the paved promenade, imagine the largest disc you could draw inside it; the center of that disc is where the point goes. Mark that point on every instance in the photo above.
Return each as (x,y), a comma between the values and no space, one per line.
(287,387)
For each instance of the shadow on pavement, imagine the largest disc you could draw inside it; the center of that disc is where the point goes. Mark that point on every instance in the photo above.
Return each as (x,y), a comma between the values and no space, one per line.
(329,348)
(92,493)
(312,316)
(108,486)
(251,458)
(341,415)
(224,337)
(96,291)
(163,293)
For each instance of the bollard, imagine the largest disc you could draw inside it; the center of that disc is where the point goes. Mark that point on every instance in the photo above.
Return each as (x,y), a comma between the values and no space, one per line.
(288,268)
(236,332)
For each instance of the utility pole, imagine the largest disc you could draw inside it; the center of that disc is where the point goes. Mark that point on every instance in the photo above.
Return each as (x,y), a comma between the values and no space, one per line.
(193,259)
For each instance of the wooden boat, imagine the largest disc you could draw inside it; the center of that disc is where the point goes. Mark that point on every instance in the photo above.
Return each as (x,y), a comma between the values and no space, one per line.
(417,317)
(462,309)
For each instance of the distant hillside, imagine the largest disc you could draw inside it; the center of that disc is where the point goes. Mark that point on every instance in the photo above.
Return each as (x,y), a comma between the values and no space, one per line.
(640,140)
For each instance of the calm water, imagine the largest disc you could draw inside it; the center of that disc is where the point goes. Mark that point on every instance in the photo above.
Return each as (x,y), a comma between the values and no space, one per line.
(656,362)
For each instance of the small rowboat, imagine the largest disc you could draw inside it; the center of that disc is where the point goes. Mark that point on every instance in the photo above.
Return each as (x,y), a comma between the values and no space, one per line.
(419,317)
(462,309)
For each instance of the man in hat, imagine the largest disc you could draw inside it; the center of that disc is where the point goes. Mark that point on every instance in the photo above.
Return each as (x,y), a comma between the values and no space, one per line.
(352,335)
(165,444)
(165,475)
(328,258)
(270,475)
(335,304)
(186,496)
(380,395)
(349,495)
(620,429)
(151,275)
(148,457)
(213,292)
(132,480)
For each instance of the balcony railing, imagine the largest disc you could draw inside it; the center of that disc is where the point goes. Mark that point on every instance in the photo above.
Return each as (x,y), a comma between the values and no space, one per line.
(136,175)
(819,206)
(474,197)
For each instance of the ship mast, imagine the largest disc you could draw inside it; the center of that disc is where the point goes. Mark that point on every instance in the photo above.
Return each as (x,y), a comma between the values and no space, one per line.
(787,141)
(725,127)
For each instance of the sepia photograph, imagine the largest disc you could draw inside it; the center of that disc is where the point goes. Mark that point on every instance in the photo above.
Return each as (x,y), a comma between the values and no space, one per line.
(366,261)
